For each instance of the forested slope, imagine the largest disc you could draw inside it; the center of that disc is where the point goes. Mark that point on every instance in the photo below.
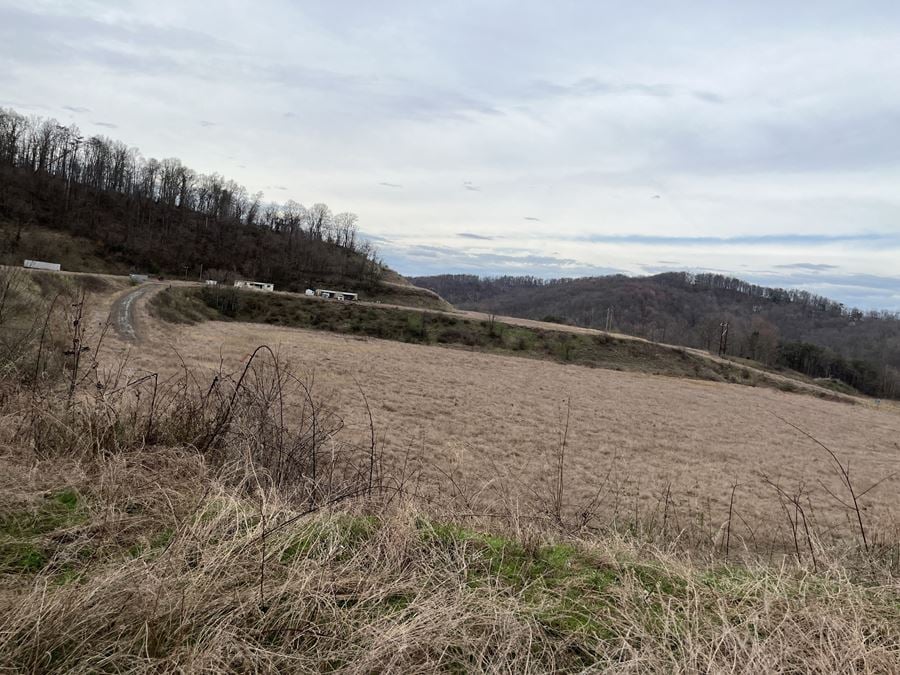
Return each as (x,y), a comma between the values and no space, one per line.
(124,212)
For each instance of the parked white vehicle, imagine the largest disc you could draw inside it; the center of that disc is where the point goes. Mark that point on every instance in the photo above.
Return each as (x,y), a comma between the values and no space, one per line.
(41,265)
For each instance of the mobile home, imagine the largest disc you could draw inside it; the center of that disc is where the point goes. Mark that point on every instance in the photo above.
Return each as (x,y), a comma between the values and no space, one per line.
(337,295)
(255,285)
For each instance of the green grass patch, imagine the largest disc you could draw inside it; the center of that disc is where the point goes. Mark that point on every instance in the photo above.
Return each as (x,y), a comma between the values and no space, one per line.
(338,538)
(569,591)
(22,549)
(21,557)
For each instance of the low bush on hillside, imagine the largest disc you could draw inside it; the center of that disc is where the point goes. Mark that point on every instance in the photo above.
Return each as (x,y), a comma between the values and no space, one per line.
(181,308)
(837,385)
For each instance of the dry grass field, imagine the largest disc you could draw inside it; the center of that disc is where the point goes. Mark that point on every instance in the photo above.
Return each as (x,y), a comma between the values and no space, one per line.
(488,427)
(516,515)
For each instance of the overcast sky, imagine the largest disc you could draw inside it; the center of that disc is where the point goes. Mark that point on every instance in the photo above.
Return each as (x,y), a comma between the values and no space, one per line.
(760,139)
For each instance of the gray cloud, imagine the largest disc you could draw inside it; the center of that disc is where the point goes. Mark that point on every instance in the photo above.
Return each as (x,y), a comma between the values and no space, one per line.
(469,235)
(376,238)
(594,87)
(813,267)
(708,96)
(76,109)
(394,96)
(107,125)
(390,185)
(418,260)
(50,38)
(872,239)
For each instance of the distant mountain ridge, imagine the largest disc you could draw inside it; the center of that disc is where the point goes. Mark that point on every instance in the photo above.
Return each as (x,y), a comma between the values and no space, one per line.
(792,328)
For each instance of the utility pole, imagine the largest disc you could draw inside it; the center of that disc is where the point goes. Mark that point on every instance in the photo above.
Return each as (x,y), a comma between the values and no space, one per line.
(608,318)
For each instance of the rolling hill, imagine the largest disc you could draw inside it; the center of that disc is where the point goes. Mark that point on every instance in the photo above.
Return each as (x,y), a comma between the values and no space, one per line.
(98,205)
(795,329)
(299,494)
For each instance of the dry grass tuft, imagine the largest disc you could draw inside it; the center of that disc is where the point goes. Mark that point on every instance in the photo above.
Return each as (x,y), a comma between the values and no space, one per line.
(167,567)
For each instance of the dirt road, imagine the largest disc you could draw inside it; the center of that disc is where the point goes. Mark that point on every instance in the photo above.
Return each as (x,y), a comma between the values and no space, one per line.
(122,312)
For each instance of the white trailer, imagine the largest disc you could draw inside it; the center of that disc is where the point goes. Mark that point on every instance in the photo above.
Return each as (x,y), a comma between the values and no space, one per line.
(255,285)
(337,295)
(41,265)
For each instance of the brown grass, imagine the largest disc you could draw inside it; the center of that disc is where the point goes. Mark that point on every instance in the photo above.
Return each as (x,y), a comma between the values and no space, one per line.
(483,427)
(159,570)
(244,515)
(162,566)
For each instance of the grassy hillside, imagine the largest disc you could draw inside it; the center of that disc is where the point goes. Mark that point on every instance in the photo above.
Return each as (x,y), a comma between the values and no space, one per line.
(204,522)
(73,253)
(406,294)
(814,335)
(594,350)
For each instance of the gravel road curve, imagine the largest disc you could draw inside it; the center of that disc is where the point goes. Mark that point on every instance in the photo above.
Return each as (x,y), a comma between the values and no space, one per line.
(122,312)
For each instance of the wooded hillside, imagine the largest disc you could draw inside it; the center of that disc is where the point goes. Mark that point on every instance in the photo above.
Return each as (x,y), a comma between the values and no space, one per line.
(159,216)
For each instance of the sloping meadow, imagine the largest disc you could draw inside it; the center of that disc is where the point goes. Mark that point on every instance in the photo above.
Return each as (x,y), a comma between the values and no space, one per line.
(225,522)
